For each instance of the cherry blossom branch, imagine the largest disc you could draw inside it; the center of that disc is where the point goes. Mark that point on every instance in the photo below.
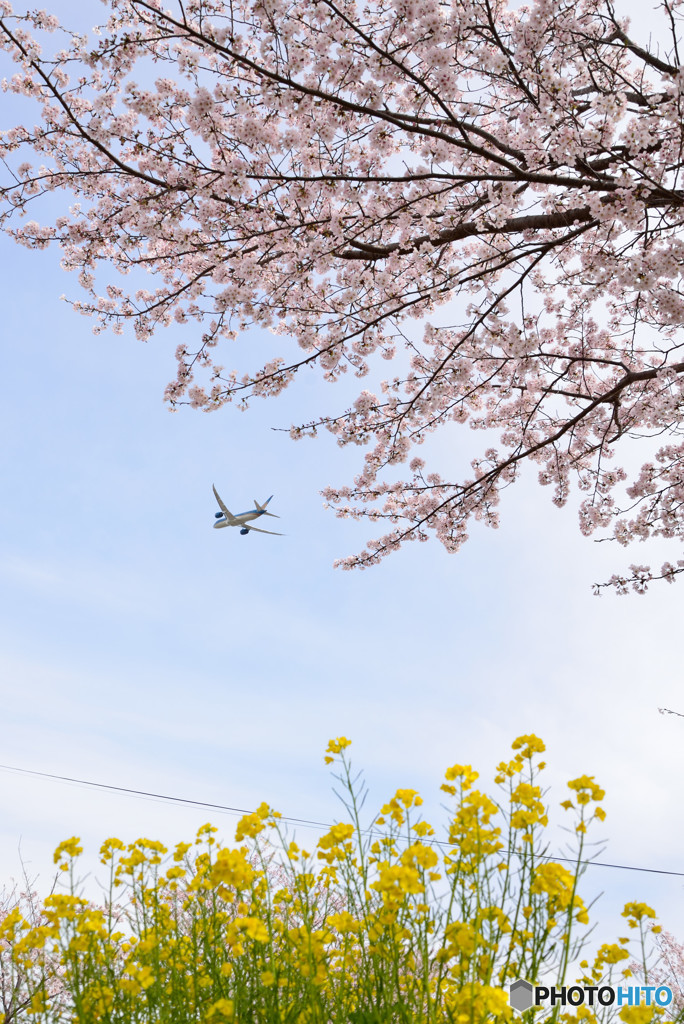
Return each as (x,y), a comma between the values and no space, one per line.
(334,176)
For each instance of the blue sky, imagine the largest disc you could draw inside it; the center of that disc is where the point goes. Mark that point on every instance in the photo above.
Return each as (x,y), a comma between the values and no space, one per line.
(142,648)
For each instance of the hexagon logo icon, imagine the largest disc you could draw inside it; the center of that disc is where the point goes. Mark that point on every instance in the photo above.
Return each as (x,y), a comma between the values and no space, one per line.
(521,995)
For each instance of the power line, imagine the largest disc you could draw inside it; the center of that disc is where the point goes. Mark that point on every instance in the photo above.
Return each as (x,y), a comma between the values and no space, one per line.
(163,797)
(154,796)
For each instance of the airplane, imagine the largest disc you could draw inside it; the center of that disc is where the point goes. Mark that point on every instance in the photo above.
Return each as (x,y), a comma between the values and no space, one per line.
(226,518)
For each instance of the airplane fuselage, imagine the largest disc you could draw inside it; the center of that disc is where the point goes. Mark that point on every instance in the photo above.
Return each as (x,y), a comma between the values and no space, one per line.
(238,520)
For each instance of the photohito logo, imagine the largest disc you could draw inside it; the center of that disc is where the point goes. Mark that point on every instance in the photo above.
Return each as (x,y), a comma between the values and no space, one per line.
(523,995)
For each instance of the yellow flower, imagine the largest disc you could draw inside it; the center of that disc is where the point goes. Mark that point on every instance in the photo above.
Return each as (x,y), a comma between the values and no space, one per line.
(639,1014)
(638,911)
(206,831)
(531,745)
(38,1003)
(396,879)
(69,848)
(464,772)
(98,1000)
(181,850)
(145,976)
(554,880)
(12,924)
(337,834)
(529,797)
(461,939)
(253,927)
(405,797)
(251,825)
(507,769)
(475,1003)
(408,797)
(610,953)
(420,856)
(222,1009)
(108,847)
(343,922)
(232,868)
(336,747)
(267,978)
(335,844)
(586,789)
(130,986)
(635,912)
(62,906)
(151,850)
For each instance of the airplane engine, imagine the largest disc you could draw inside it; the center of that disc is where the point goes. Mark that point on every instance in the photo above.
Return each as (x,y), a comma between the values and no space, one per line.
(218,515)
(244,532)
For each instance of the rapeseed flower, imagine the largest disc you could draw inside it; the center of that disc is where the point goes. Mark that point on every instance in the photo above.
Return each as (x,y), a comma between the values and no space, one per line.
(387,927)
(636,912)
(530,745)
(67,850)
(336,747)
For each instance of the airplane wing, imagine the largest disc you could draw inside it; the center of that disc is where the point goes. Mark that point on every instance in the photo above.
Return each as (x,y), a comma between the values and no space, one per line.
(258,529)
(227,513)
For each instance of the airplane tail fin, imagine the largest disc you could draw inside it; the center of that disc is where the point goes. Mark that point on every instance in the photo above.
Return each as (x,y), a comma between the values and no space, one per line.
(262,508)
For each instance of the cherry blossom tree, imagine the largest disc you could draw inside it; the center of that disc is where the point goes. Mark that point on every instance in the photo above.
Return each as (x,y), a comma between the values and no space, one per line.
(338,172)
(668,969)
(15,983)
